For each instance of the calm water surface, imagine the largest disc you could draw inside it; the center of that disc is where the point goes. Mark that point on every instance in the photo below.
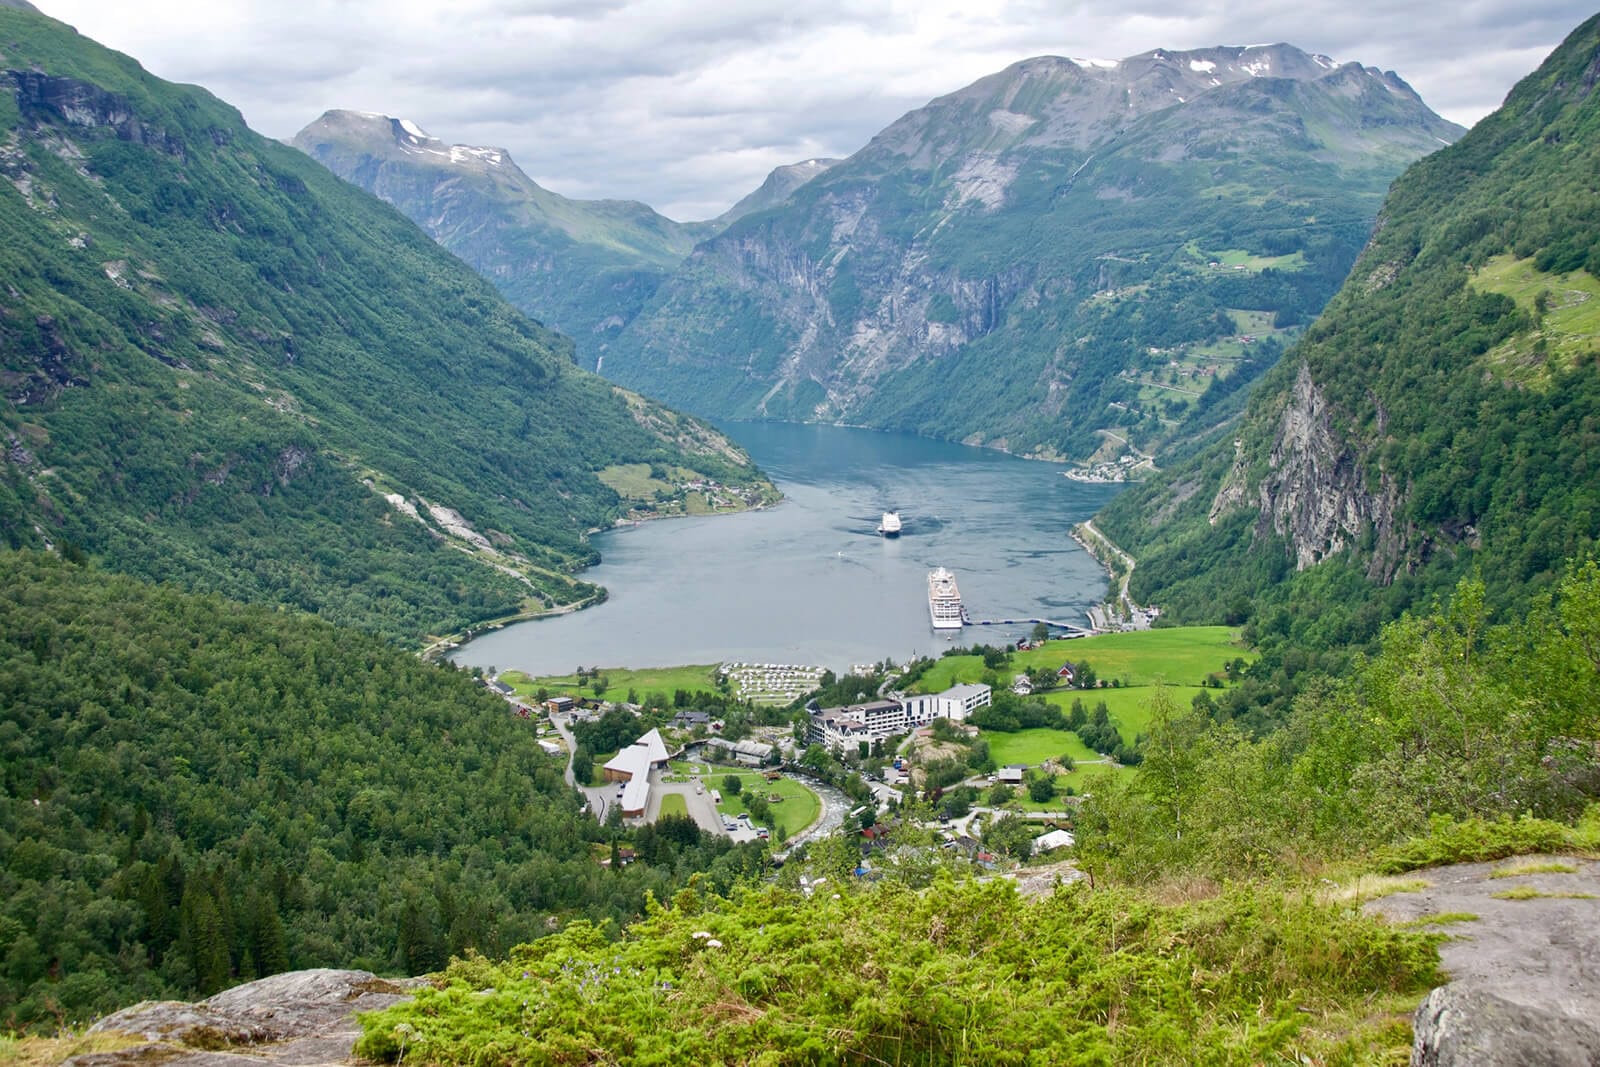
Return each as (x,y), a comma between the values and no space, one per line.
(809,581)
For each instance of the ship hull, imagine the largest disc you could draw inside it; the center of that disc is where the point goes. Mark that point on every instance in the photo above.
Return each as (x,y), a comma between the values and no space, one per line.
(944,601)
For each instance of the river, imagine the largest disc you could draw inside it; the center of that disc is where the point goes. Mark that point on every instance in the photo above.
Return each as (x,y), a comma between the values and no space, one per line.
(810,581)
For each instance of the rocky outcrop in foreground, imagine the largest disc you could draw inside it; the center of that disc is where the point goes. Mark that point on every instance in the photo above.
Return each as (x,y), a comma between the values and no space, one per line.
(301,1018)
(1524,953)
(1463,1024)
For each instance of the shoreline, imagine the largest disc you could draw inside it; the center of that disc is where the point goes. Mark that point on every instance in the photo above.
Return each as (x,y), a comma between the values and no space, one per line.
(432,651)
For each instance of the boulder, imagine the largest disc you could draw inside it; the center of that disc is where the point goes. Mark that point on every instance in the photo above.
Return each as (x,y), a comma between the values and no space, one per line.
(296,1017)
(1464,1024)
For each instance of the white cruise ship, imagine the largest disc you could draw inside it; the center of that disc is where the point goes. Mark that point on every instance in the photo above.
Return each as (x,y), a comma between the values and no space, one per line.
(944,600)
(889,526)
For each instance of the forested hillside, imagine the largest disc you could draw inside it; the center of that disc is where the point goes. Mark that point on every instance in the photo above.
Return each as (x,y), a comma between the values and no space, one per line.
(1059,259)
(1440,418)
(222,366)
(194,792)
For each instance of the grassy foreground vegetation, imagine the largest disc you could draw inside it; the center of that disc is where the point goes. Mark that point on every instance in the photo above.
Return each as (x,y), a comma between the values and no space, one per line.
(964,972)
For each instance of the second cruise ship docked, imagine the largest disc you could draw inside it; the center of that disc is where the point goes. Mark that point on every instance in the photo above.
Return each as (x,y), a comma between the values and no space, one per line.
(944,600)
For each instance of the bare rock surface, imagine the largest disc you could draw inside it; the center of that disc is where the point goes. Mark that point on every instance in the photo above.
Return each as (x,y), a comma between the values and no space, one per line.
(297,1019)
(1525,973)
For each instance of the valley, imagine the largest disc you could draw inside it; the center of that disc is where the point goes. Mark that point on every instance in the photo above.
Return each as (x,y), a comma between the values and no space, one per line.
(343,667)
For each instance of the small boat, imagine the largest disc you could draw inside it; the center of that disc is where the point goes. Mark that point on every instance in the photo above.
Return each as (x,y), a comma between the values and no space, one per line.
(889,526)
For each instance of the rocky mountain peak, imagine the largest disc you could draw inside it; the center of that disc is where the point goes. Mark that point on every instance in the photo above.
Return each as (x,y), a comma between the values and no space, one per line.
(390,137)
(777,188)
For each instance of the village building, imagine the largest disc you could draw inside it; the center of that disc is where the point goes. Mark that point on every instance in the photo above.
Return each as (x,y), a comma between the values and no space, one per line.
(1049,842)
(839,728)
(632,767)
(559,705)
(1022,685)
(745,753)
(955,703)
(1011,773)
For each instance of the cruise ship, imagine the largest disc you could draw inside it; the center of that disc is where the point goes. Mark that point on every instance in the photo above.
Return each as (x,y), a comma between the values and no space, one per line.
(889,526)
(944,600)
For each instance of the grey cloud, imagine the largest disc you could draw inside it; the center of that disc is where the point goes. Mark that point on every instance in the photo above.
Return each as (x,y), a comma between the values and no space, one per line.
(685,104)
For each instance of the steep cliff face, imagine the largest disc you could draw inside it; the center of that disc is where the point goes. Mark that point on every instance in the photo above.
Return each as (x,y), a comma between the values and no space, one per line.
(1316,495)
(1445,410)
(1073,241)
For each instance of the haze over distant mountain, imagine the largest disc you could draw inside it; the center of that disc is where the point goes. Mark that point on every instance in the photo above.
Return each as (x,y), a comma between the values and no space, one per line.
(778,187)
(1443,415)
(583,267)
(222,366)
(1062,248)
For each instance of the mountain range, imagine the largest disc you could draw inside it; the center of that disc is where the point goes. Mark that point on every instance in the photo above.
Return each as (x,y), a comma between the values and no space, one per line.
(584,267)
(222,366)
(1102,252)
(1056,259)
(1439,419)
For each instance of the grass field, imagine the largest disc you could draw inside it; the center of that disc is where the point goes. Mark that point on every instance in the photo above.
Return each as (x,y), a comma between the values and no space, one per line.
(799,808)
(674,804)
(1178,656)
(633,481)
(699,678)
(1568,328)
(1129,708)
(1035,746)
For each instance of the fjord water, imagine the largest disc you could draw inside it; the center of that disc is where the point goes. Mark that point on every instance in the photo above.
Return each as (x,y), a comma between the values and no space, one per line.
(810,581)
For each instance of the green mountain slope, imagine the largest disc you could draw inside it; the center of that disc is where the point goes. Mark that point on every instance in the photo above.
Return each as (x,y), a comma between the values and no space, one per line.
(221,365)
(195,791)
(1061,249)
(583,267)
(1441,415)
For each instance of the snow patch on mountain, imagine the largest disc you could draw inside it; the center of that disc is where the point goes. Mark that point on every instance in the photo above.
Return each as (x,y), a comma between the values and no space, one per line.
(1202,66)
(414,130)
(1095,64)
(460,153)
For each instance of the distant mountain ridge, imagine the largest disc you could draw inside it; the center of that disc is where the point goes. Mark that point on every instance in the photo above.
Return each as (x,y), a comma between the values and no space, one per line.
(1442,415)
(1048,237)
(778,187)
(584,267)
(221,366)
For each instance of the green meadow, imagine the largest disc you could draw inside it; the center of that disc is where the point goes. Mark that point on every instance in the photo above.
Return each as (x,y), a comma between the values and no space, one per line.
(798,809)
(619,680)
(1177,656)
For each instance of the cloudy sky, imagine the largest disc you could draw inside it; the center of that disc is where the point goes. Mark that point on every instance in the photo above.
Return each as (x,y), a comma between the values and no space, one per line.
(686,104)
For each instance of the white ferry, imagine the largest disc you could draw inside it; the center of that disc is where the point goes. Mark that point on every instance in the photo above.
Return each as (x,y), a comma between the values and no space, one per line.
(889,526)
(944,600)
